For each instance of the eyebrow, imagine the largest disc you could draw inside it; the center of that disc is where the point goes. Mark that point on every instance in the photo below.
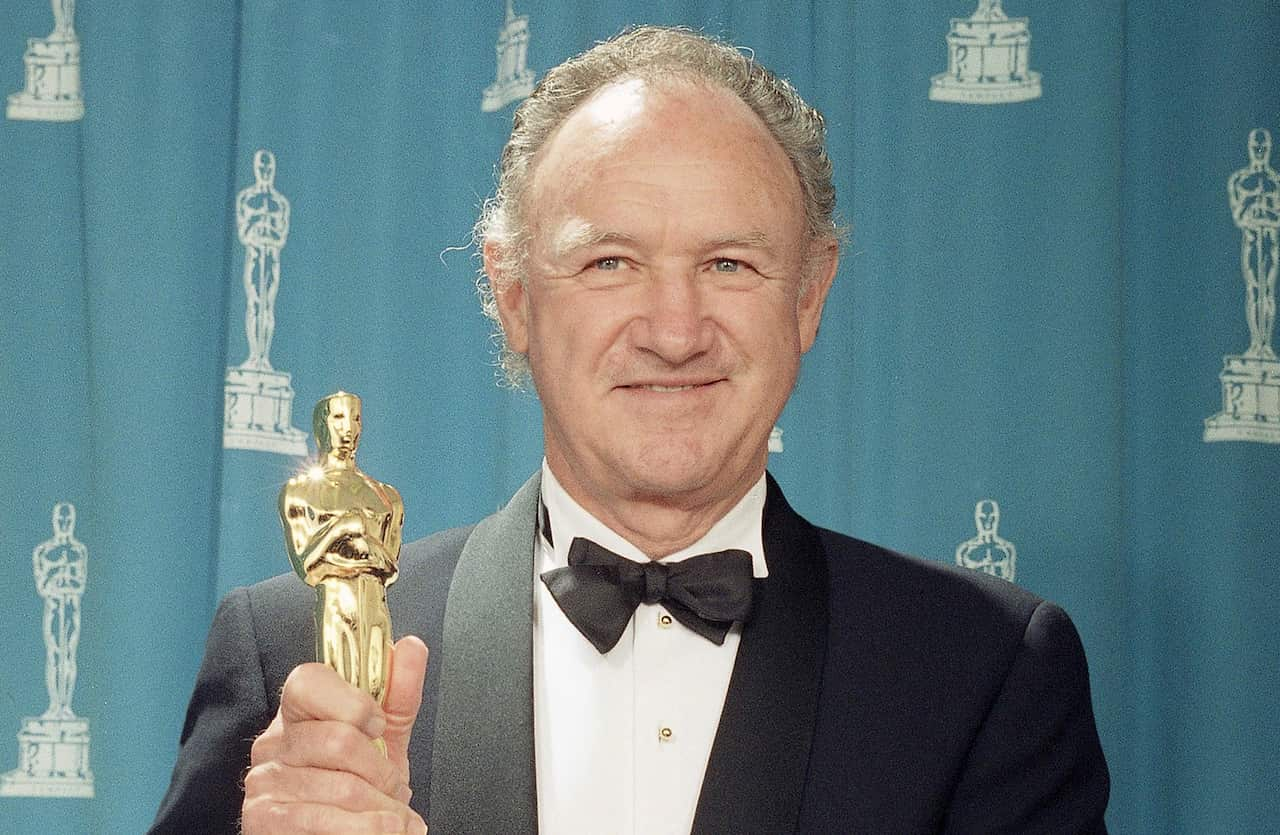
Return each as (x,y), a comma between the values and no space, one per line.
(751,240)
(583,235)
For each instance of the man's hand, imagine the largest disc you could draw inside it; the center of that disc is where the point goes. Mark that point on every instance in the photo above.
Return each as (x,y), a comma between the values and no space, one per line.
(315,769)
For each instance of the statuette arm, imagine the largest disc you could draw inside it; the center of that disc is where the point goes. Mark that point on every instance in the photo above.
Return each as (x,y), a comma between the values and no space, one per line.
(310,541)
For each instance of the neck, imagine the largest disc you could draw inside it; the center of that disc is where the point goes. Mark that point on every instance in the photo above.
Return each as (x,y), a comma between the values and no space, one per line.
(334,461)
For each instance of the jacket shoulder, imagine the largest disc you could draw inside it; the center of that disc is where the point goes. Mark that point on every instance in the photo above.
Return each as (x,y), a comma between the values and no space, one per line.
(958,684)
(933,594)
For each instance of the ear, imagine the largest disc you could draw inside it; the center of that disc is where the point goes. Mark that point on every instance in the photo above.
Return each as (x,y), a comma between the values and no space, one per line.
(511,299)
(820,267)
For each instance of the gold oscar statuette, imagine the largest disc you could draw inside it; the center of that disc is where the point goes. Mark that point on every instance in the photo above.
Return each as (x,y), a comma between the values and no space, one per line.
(342,530)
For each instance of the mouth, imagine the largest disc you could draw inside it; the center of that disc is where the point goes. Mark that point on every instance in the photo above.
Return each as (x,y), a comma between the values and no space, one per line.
(673,387)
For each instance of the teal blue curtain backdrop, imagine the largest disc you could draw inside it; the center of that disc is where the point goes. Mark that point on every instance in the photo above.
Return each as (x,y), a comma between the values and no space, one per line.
(1042,301)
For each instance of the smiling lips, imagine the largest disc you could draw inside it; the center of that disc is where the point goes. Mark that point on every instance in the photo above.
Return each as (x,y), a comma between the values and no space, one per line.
(661,388)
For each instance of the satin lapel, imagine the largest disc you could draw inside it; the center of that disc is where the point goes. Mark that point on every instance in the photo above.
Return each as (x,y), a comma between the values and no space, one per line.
(482,770)
(756,772)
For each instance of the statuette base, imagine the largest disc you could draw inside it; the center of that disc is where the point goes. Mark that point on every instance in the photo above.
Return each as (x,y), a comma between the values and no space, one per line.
(258,413)
(1250,402)
(501,93)
(947,88)
(52,91)
(987,62)
(53,760)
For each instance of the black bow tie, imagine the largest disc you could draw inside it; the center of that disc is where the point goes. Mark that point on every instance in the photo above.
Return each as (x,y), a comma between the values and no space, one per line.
(599,591)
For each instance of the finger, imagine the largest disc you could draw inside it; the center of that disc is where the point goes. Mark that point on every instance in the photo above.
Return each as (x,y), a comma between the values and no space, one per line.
(262,817)
(285,784)
(268,743)
(314,691)
(404,695)
(337,746)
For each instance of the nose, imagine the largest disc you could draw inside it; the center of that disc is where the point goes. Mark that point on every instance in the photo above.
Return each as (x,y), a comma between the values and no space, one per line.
(675,325)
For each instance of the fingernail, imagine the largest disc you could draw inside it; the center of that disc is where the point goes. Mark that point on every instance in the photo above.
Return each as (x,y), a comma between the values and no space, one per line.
(391,822)
(376,724)
(404,794)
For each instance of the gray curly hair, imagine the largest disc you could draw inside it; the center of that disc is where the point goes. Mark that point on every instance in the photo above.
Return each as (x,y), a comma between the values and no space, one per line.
(650,53)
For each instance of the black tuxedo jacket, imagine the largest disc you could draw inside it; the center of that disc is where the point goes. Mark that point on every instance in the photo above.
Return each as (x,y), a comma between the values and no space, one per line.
(872,692)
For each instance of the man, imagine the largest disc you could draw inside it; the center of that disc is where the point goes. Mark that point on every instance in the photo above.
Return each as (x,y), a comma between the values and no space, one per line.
(64,20)
(262,223)
(1254,193)
(60,566)
(342,534)
(988,551)
(658,252)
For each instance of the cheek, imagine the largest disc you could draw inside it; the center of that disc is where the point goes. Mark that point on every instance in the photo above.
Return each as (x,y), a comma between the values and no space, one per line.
(769,331)
(578,330)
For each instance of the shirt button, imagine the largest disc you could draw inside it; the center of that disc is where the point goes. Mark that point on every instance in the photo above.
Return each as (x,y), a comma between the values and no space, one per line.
(664,620)
(665,734)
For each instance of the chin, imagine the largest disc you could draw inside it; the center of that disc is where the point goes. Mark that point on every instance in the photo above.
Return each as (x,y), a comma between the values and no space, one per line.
(672,475)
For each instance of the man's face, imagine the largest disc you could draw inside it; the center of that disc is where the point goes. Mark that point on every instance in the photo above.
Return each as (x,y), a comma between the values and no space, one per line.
(343,423)
(662,311)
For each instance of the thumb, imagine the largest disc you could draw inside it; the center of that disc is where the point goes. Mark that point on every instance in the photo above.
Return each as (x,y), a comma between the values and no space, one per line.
(404,696)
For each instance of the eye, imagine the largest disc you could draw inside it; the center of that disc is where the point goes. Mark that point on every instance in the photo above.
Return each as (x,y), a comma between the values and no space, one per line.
(612,262)
(726,265)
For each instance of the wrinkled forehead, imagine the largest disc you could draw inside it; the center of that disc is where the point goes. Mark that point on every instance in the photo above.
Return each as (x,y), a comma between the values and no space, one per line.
(631,128)
(649,111)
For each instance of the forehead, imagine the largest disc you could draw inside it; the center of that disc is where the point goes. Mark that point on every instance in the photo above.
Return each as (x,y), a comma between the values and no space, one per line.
(340,405)
(665,144)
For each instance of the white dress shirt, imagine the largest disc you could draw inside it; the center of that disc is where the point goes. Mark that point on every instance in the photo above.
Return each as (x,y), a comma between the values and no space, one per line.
(622,739)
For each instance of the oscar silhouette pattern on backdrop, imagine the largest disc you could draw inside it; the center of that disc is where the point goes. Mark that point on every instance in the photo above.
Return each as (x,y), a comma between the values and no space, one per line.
(53,748)
(52,92)
(1251,380)
(258,414)
(513,80)
(988,551)
(988,58)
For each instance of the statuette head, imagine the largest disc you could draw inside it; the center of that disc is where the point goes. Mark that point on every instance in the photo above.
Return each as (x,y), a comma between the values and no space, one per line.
(986,515)
(1259,146)
(64,519)
(336,423)
(264,167)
